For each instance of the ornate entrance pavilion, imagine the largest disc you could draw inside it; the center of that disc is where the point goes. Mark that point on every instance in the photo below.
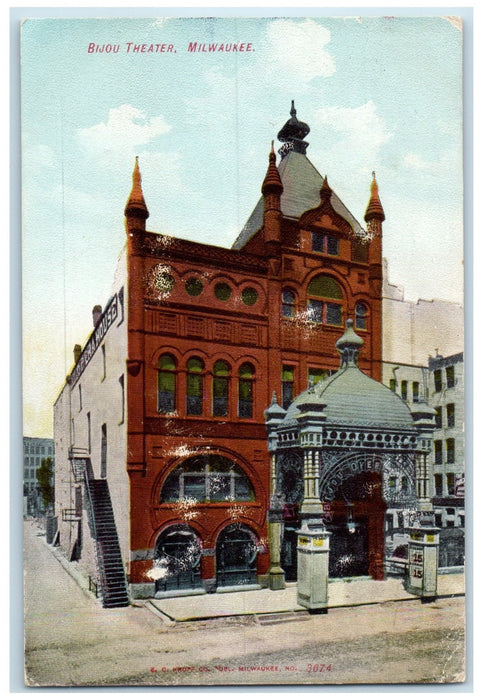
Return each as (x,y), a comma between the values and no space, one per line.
(345,452)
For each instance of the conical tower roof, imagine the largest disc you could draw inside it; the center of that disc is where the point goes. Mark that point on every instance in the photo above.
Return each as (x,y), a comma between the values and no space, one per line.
(135,205)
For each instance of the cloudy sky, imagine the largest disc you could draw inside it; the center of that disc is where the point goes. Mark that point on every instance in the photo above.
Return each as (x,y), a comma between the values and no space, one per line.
(378,94)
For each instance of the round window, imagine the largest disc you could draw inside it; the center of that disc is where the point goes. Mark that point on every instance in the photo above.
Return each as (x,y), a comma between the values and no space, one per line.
(163,282)
(194,287)
(222,291)
(249,296)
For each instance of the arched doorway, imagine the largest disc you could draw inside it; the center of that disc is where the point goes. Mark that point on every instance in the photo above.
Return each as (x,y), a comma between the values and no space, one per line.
(236,556)
(177,559)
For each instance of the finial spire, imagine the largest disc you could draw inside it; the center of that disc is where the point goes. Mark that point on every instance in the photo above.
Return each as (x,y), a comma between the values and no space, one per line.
(374,208)
(325,190)
(272,181)
(349,345)
(292,134)
(136,206)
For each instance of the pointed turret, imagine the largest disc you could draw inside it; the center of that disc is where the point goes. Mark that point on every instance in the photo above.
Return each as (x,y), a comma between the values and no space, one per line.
(374,208)
(325,191)
(272,181)
(272,189)
(136,211)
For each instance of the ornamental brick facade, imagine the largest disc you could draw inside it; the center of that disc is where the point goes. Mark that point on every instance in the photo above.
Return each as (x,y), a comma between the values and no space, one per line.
(174,386)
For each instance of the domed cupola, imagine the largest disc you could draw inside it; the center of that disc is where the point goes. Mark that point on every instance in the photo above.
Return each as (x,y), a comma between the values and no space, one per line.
(349,397)
(292,134)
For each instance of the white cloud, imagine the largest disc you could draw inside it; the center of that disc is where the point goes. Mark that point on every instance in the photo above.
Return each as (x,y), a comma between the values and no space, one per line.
(414,161)
(353,141)
(126,128)
(297,50)
(210,108)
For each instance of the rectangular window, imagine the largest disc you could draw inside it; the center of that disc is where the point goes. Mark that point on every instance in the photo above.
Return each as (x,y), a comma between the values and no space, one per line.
(332,245)
(103,351)
(450,415)
(404,390)
(121,383)
(318,242)
(438,418)
(287,385)
(392,384)
(450,377)
(334,314)
(450,450)
(438,452)
(438,484)
(220,396)
(437,380)
(103,451)
(314,310)
(80,397)
(89,432)
(438,520)
(415,392)
(450,485)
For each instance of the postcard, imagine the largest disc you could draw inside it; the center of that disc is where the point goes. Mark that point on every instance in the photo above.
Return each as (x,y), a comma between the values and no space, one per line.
(243,350)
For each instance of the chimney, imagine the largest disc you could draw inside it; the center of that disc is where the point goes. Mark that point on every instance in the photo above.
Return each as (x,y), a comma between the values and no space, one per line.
(96,314)
(77,353)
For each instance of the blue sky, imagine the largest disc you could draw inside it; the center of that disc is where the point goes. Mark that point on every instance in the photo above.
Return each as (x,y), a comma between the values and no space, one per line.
(379,94)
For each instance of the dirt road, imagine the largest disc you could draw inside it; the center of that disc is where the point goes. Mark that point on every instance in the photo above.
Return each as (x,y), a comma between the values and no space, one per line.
(72,641)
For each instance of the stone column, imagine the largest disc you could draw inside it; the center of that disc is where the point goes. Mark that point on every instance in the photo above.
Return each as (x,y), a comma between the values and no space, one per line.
(276,575)
(313,568)
(311,507)
(423,562)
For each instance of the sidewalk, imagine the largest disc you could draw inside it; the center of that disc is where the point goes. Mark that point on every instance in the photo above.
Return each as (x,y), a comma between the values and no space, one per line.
(264,601)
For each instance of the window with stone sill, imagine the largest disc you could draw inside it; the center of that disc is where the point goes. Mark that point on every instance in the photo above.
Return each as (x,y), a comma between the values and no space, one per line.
(324,243)
(288,303)
(287,385)
(404,390)
(323,294)
(194,386)
(438,420)
(450,415)
(166,384)
(246,377)
(450,380)
(438,452)
(221,385)
(438,384)
(450,451)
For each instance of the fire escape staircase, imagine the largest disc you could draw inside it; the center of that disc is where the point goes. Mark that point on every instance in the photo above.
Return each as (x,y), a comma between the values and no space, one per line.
(110,566)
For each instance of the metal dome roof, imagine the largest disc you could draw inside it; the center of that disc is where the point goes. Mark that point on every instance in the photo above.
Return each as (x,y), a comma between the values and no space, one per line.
(350,397)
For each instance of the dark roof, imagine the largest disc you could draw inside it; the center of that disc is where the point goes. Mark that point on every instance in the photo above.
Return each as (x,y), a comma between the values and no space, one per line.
(301,191)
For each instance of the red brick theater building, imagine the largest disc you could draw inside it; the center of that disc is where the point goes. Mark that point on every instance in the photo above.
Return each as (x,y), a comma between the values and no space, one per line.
(160,426)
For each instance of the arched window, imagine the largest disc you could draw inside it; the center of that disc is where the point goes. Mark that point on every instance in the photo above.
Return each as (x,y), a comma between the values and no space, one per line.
(177,558)
(207,478)
(320,307)
(194,386)
(361,316)
(288,303)
(221,371)
(246,377)
(166,384)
